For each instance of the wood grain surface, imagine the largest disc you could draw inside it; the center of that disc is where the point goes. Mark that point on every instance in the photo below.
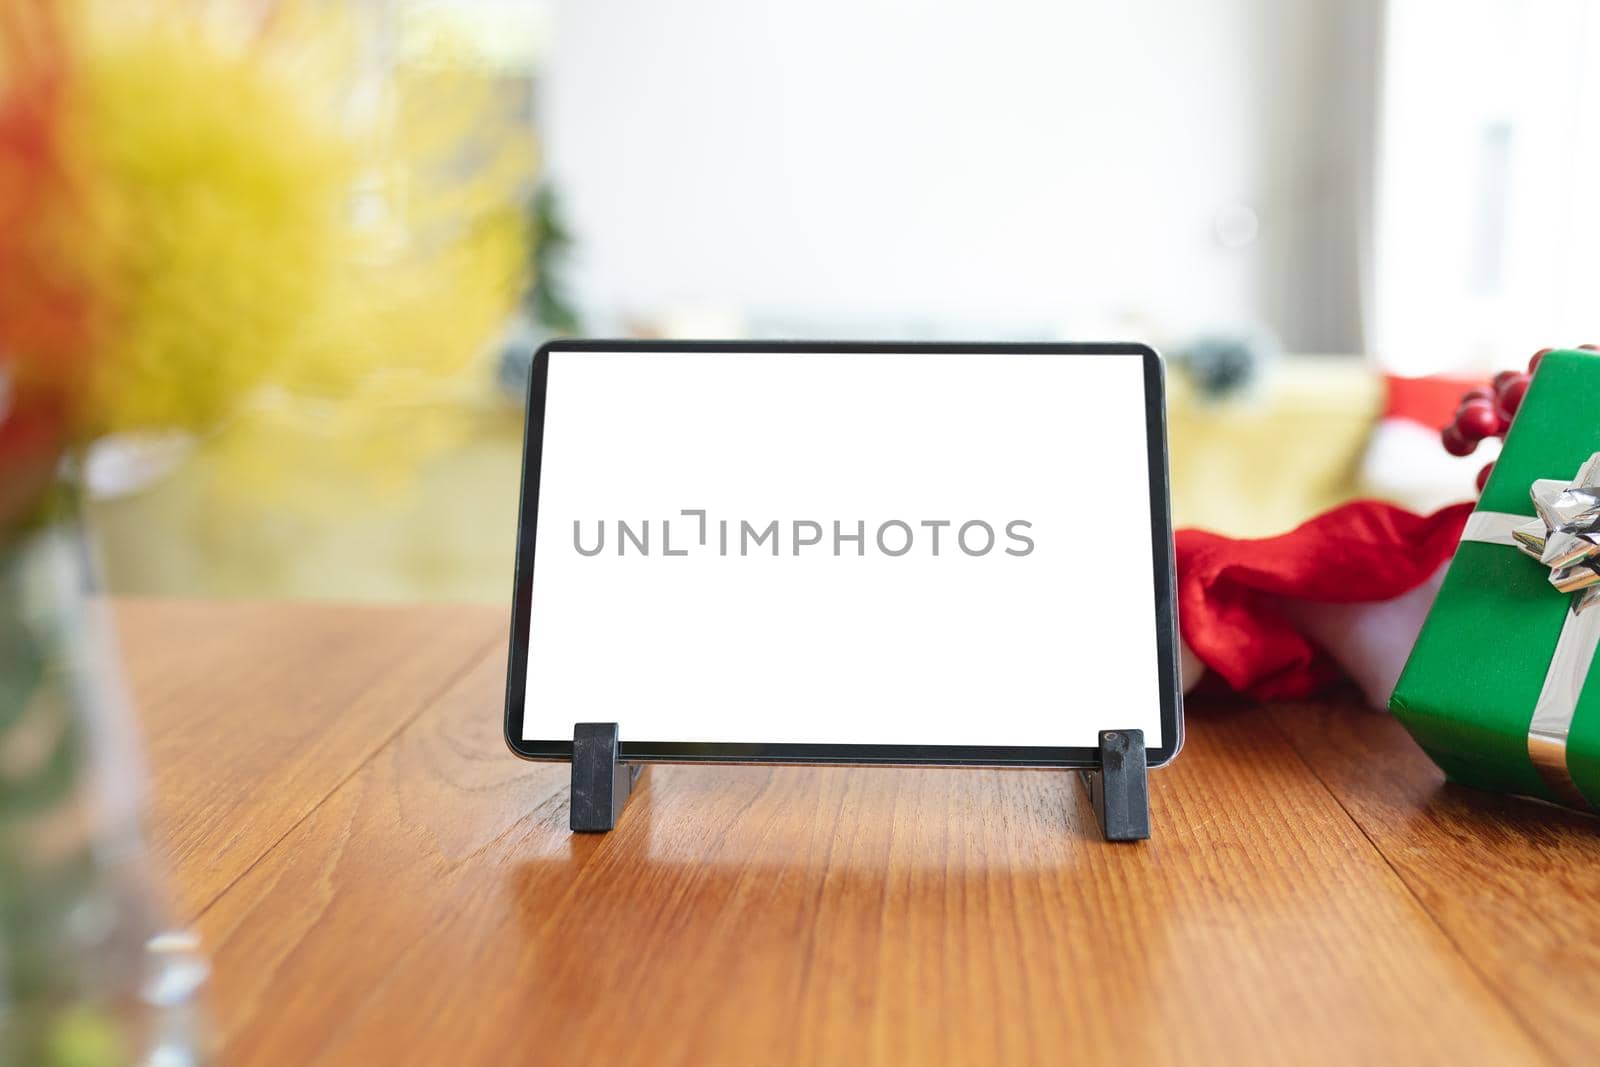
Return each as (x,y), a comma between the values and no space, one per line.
(256,712)
(379,881)
(1513,883)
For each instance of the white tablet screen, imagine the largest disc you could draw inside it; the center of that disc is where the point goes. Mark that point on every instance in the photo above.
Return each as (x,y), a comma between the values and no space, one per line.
(843,548)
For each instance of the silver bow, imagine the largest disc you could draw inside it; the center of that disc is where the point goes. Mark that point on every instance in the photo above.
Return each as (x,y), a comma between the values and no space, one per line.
(1566,535)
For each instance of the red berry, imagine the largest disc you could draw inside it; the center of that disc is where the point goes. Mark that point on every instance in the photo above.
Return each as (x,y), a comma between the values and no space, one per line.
(1476,396)
(1537,358)
(1499,380)
(1483,475)
(1508,397)
(1477,420)
(1455,442)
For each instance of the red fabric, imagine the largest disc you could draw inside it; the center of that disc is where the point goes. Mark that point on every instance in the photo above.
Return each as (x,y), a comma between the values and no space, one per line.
(1429,402)
(1229,590)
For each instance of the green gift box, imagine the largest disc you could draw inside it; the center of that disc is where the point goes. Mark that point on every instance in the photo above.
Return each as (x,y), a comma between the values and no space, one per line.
(1501,689)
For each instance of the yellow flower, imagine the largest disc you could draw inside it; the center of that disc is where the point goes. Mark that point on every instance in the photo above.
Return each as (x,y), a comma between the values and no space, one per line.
(274,215)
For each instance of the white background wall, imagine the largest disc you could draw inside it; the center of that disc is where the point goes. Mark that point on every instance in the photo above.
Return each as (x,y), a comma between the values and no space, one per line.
(970,167)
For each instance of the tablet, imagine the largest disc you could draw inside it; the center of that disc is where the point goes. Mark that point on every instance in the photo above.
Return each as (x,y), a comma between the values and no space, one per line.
(845,553)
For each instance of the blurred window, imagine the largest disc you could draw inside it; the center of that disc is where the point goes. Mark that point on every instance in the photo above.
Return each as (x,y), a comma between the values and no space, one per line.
(1488,225)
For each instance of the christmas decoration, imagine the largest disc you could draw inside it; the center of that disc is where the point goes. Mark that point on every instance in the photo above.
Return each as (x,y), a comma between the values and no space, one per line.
(1488,412)
(1283,617)
(1403,460)
(1345,594)
(1495,688)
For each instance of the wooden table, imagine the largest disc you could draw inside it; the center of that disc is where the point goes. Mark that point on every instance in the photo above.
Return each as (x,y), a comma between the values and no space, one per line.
(379,882)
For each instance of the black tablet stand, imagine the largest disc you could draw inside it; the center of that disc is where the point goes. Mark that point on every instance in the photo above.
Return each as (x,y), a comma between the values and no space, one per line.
(602,783)
(1120,789)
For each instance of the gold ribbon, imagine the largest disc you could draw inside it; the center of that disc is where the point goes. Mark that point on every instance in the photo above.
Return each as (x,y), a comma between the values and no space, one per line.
(1566,538)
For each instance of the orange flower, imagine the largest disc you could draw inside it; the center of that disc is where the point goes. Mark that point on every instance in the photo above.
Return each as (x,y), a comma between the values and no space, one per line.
(45,309)
(30,450)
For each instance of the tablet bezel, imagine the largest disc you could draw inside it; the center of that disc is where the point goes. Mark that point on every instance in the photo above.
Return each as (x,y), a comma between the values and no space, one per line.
(1164,571)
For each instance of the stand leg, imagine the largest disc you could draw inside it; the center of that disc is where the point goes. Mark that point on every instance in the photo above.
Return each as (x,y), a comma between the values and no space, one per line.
(601,784)
(1119,790)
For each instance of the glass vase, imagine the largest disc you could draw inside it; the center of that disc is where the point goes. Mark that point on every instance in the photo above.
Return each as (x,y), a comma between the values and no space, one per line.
(90,975)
